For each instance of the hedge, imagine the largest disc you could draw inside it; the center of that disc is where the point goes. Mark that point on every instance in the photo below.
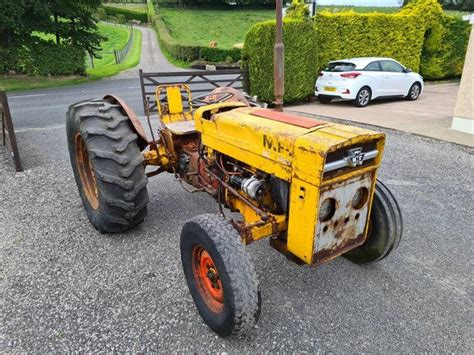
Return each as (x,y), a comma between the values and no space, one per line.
(445,48)
(189,52)
(420,36)
(347,35)
(127,13)
(39,57)
(150,10)
(300,59)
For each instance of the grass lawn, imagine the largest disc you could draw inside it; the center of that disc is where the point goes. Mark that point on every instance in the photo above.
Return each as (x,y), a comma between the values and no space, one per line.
(226,27)
(117,37)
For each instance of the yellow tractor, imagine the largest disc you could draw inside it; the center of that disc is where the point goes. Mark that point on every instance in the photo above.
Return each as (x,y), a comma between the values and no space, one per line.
(309,186)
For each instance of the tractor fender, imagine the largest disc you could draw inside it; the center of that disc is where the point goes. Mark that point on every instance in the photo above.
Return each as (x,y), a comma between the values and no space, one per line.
(137,127)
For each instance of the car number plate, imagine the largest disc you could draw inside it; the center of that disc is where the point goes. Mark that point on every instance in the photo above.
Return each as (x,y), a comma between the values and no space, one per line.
(329,88)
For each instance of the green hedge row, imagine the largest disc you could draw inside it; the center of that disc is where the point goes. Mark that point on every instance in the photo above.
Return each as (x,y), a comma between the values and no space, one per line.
(300,59)
(420,36)
(127,13)
(150,10)
(347,35)
(191,52)
(445,48)
(38,57)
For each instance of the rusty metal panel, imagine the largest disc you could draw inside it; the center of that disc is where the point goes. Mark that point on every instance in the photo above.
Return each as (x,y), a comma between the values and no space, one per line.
(8,132)
(345,230)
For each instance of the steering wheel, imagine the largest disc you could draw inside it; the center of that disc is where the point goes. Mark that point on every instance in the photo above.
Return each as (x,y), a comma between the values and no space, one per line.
(208,99)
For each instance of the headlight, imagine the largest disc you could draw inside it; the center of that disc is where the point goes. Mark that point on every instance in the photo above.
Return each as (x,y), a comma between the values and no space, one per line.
(327,209)
(360,198)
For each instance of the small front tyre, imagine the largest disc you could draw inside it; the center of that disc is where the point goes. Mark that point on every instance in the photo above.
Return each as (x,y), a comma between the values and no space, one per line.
(220,275)
(385,228)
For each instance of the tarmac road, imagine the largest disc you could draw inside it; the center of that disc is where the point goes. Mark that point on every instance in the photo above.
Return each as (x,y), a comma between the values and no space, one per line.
(67,288)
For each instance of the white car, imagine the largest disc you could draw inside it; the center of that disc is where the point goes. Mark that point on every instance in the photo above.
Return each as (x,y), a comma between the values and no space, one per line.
(365,79)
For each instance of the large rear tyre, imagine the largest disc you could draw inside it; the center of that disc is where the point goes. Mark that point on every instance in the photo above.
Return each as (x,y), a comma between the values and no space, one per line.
(107,165)
(220,275)
(385,228)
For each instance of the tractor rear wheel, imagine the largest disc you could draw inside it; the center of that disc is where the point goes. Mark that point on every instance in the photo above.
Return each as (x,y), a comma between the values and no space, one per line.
(220,275)
(385,228)
(107,165)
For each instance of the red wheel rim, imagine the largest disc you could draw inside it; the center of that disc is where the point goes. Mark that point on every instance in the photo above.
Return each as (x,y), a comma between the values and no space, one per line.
(86,173)
(207,279)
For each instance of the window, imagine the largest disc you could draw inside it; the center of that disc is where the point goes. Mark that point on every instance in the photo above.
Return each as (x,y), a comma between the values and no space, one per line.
(340,67)
(374,66)
(388,65)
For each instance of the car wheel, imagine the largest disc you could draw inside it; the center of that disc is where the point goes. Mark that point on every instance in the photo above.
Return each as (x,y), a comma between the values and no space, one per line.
(363,97)
(414,92)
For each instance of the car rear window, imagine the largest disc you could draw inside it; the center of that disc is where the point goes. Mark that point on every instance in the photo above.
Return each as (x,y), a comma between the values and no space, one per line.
(340,66)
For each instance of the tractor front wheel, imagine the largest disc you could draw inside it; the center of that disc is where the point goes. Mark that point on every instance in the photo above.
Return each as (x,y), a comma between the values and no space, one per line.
(220,275)
(107,165)
(385,228)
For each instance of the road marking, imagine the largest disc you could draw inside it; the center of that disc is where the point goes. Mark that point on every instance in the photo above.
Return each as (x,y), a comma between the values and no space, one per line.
(133,87)
(39,129)
(20,96)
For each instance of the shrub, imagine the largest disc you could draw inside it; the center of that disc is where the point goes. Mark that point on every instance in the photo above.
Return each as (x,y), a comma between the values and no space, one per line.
(347,34)
(300,59)
(445,48)
(216,55)
(297,10)
(38,57)
(128,13)
(101,14)
(120,19)
(150,10)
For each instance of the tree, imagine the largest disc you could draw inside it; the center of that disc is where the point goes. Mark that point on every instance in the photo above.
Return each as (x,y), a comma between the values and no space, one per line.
(70,21)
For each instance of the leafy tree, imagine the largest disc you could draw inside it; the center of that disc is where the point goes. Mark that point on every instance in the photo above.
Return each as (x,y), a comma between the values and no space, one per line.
(70,21)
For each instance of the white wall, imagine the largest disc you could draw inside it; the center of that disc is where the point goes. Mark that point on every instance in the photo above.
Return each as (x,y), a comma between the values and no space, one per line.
(380,3)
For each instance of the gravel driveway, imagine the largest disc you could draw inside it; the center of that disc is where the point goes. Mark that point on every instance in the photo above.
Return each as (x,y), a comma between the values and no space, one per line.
(67,288)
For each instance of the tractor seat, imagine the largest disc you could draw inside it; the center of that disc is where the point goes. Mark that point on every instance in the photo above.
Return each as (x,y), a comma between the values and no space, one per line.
(182,127)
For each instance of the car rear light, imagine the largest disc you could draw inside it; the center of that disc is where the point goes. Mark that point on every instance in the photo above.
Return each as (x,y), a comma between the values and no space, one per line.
(347,91)
(351,75)
(321,73)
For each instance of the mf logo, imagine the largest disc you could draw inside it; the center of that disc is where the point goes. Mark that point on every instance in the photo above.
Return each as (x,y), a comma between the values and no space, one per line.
(355,157)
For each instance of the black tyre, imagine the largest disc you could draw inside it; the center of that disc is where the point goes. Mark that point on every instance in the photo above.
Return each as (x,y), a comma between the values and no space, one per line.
(107,165)
(324,99)
(363,97)
(414,92)
(385,228)
(220,275)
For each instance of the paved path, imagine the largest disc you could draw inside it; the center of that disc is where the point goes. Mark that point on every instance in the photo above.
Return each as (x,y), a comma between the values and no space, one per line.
(430,115)
(152,59)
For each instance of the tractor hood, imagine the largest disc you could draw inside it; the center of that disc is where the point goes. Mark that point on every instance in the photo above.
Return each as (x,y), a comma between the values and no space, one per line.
(267,137)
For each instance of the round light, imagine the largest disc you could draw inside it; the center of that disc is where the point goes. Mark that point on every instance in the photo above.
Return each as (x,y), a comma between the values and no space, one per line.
(360,198)
(327,209)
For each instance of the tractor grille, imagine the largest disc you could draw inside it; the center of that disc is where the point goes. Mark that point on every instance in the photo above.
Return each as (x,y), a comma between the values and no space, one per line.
(349,159)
